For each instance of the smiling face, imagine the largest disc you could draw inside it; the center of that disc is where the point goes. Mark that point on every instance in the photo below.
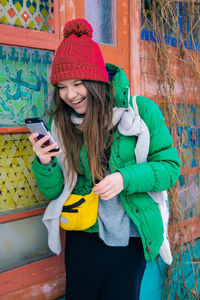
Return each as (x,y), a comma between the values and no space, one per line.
(74,93)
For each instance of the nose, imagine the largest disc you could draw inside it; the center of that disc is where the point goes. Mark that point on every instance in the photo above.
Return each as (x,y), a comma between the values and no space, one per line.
(71,93)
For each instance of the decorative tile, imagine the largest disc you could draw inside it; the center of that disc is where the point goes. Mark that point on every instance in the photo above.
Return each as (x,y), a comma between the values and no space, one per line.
(4,2)
(11,12)
(25,16)
(24,80)
(38,19)
(18,189)
(32,14)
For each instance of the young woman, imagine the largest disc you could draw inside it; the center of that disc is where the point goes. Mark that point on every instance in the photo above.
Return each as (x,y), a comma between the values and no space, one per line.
(117,157)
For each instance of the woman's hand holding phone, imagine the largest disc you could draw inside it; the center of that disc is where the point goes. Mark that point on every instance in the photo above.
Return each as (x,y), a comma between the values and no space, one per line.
(43,152)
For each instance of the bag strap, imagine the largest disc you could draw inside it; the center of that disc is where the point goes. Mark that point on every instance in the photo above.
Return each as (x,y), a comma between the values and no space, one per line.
(135,105)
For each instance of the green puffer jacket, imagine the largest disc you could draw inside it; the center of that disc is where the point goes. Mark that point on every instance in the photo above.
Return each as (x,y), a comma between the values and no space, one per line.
(159,173)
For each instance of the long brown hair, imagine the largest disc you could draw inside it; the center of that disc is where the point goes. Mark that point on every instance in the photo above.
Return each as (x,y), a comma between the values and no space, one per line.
(95,131)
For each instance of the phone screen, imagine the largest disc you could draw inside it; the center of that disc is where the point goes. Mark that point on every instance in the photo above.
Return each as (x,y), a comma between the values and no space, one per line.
(38,125)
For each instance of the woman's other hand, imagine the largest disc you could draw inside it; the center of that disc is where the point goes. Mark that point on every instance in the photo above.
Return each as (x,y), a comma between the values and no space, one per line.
(41,150)
(110,186)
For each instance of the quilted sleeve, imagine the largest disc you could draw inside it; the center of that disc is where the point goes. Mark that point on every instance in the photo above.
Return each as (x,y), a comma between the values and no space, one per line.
(162,168)
(49,178)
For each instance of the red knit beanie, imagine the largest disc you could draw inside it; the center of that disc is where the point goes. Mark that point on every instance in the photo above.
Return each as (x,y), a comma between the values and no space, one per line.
(78,56)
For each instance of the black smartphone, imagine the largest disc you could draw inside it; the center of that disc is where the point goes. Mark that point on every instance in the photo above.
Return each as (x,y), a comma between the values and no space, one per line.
(38,125)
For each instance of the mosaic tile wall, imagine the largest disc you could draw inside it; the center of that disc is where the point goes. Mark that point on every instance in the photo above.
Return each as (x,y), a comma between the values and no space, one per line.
(30,14)
(18,189)
(25,92)
(24,81)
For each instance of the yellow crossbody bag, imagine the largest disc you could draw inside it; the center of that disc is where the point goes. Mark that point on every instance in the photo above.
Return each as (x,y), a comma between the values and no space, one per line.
(79,212)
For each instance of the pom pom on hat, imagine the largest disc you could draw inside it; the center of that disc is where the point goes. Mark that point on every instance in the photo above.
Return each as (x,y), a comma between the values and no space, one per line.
(78,27)
(78,56)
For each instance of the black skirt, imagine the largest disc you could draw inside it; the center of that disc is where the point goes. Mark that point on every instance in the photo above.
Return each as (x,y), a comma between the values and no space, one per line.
(95,271)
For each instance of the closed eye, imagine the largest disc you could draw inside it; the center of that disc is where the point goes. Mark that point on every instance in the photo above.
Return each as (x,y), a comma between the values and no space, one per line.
(78,83)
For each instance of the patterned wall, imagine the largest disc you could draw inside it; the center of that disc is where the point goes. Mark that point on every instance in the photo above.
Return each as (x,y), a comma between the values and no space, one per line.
(188,131)
(25,87)
(18,189)
(180,26)
(189,195)
(25,92)
(30,14)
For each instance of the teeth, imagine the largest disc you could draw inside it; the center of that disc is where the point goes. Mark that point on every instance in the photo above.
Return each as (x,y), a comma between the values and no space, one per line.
(75,102)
